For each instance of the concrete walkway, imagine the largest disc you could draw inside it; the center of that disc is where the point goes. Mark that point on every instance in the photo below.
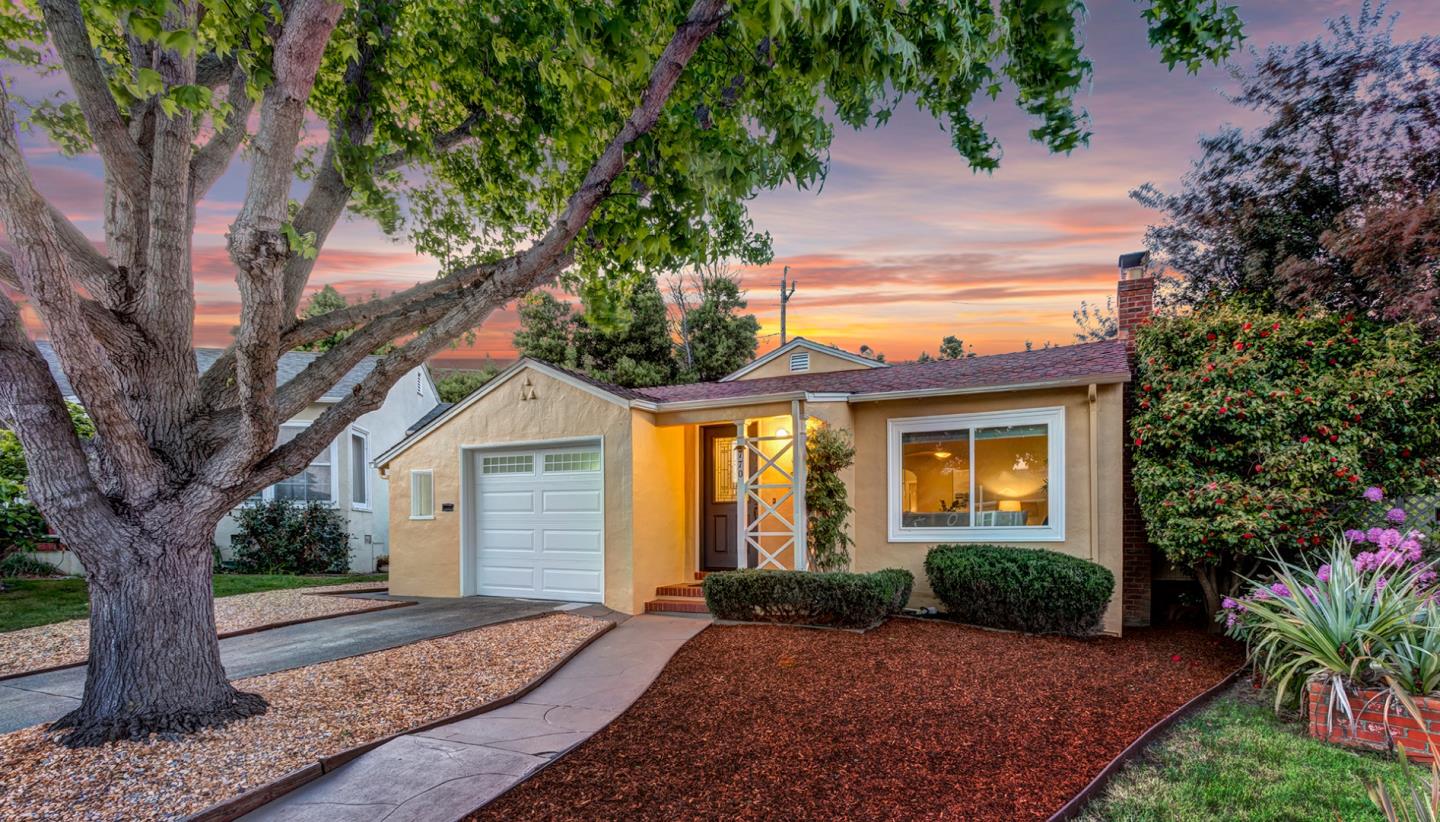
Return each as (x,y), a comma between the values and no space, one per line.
(445,773)
(30,700)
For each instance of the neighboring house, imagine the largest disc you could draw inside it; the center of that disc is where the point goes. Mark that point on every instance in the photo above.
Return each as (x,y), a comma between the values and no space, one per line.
(548,484)
(341,474)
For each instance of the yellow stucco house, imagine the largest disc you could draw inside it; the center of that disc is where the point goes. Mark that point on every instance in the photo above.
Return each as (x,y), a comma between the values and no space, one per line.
(548,484)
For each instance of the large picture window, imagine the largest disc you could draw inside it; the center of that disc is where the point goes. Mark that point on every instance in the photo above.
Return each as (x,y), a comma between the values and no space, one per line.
(978,477)
(316,483)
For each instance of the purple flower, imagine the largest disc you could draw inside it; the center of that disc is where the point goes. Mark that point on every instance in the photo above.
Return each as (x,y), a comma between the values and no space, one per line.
(1262,593)
(1323,574)
(1411,547)
(1280,589)
(1364,561)
(1355,535)
(1380,584)
(1230,621)
(1426,579)
(1395,515)
(1228,603)
(1312,594)
(1374,493)
(1389,538)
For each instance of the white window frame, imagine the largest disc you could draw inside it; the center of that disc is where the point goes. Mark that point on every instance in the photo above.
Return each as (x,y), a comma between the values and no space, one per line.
(364,468)
(1052,417)
(429,472)
(268,492)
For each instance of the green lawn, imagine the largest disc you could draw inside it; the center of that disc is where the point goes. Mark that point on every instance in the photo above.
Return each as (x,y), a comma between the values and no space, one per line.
(1237,761)
(29,602)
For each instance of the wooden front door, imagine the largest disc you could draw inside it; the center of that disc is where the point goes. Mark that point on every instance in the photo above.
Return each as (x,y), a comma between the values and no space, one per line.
(718,525)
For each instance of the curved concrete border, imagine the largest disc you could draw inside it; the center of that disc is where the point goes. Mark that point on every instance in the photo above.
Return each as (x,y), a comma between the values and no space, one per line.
(255,629)
(1078,802)
(261,795)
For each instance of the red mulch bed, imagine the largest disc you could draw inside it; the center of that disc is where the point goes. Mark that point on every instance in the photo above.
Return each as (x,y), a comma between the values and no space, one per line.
(916,719)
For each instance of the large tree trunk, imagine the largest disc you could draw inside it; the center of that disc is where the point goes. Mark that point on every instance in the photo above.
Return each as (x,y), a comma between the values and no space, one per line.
(154,657)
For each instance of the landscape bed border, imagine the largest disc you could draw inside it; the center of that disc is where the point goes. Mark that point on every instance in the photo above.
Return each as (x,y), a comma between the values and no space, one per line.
(254,629)
(1073,808)
(261,795)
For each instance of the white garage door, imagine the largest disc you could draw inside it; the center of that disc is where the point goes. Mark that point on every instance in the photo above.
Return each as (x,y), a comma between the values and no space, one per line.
(540,526)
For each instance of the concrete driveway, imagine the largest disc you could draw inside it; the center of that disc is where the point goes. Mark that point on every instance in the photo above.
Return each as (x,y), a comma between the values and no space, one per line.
(30,700)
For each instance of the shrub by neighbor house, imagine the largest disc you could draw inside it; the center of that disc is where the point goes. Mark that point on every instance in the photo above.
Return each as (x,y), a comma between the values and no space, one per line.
(1253,431)
(285,537)
(838,599)
(1021,589)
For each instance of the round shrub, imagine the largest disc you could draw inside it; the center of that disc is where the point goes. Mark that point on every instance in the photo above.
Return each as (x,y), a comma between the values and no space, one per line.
(285,537)
(1021,589)
(836,598)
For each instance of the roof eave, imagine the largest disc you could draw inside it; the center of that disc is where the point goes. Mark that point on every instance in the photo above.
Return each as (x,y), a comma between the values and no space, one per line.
(921,393)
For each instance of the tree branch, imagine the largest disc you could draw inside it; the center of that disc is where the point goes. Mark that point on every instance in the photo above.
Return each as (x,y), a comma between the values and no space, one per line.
(42,269)
(257,241)
(214,157)
(512,278)
(31,405)
(123,159)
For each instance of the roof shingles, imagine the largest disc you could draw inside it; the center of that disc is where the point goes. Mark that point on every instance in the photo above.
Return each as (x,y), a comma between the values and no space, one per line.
(1071,362)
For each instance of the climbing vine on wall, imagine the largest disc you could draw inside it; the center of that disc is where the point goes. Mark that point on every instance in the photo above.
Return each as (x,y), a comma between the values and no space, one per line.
(828,452)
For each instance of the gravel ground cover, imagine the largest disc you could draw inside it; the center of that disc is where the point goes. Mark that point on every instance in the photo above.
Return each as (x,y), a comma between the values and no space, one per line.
(68,642)
(315,711)
(914,720)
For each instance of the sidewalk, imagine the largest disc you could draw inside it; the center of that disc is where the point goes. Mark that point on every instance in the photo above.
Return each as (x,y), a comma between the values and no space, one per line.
(447,772)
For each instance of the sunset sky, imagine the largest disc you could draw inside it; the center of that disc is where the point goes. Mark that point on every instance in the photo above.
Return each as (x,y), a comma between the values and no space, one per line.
(904,244)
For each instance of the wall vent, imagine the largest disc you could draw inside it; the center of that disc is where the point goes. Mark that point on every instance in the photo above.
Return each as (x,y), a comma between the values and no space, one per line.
(800,361)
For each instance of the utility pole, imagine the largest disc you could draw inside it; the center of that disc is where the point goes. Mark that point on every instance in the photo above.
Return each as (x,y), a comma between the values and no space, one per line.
(785,296)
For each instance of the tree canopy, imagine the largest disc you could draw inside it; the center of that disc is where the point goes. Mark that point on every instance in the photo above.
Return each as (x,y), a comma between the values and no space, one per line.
(1335,199)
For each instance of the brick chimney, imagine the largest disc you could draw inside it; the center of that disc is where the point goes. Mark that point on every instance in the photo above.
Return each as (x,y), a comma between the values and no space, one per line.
(1134,304)
(1135,296)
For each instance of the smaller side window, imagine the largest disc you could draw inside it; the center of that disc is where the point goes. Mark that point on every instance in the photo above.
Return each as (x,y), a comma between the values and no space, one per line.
(422,494)
(359,469)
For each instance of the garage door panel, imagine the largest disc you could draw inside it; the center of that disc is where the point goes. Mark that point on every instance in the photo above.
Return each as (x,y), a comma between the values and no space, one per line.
(570,582)
(570,501)
(511,502)
(540,533)
(501,539)
(554,541)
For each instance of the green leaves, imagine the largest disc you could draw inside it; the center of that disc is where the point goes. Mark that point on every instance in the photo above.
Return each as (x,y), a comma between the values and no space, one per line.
(1258,430)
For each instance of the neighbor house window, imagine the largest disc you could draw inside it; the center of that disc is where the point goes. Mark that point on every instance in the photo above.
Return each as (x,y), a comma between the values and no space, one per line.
(422,494)
(316,483)
(978,477)
(359,469)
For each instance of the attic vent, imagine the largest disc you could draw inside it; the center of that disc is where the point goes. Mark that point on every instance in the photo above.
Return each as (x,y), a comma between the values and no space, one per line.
(800,361)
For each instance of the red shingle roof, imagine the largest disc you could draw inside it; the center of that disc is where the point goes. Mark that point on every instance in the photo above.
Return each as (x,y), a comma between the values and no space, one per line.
(1071,362)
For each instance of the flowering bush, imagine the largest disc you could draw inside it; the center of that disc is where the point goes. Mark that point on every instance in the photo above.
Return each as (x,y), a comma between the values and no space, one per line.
(1253,431)
(1368,616)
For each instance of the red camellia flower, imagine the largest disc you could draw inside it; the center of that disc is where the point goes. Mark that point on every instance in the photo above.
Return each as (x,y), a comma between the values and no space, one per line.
(1246,326)
(1175,658)
(1210,336)
(1304,439)
(1223,409)
(1239,346)
(1248,535)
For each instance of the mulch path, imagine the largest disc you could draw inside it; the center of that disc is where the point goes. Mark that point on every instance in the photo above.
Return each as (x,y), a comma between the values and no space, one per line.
(315,711)
(914,720)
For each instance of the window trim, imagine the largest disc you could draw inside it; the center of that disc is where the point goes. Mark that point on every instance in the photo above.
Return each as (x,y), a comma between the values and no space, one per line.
(1053,417)
(363,435)
(430,472)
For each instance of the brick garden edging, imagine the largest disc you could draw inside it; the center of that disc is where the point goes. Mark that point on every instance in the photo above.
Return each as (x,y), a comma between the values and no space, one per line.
(1381,724)
(1077,803)
(262,795)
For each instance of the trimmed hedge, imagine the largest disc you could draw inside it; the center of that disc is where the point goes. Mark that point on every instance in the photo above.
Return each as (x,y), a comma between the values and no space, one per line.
(1021,589)
(838,599)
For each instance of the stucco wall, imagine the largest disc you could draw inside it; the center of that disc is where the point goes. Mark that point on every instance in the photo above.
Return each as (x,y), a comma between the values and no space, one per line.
(660,530)
(820,363)
(425,554)
(1095,538)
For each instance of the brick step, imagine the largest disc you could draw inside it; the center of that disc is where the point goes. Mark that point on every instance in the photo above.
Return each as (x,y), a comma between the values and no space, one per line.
(683,589)
(700,575)
(676,605)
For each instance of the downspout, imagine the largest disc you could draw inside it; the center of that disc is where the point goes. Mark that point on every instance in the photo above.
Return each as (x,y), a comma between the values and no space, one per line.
(1094,397)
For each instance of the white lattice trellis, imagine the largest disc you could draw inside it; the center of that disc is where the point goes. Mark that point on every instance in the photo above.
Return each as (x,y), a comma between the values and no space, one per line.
(761,519)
